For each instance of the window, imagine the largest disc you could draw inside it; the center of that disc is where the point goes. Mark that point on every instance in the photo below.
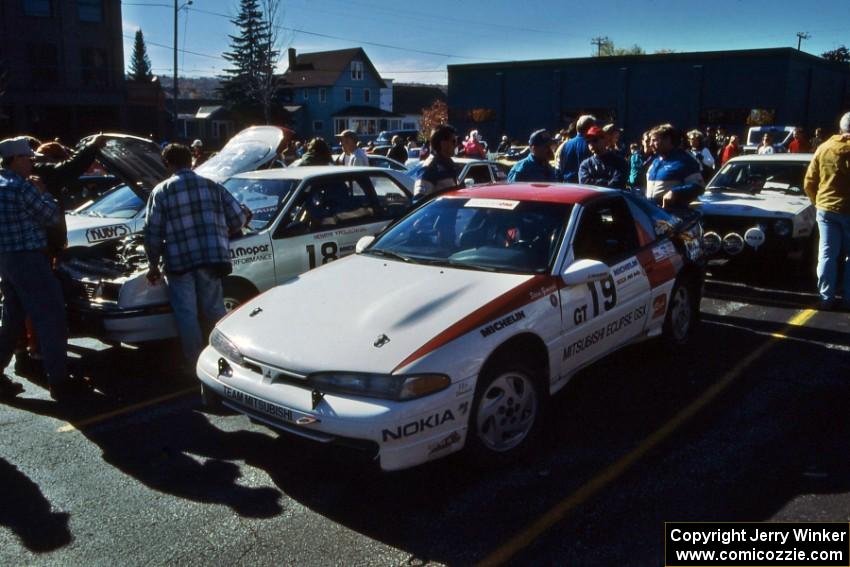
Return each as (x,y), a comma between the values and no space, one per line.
(478,115)
(478,174)
(39,8)
(340,124)
(392,198)
(318,126)
(606,232)
(347,95)
(332,203)
(367,95)
(356,70)
(93,72)
(90,10)
(306,95)
(323,95)
(44,63)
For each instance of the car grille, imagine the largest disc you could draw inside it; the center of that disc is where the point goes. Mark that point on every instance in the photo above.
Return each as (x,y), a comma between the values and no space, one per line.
(89,290)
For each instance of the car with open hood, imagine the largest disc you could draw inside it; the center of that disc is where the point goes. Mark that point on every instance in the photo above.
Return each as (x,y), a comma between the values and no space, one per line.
(303,217)
(137,163)
(457,323)
(756,212)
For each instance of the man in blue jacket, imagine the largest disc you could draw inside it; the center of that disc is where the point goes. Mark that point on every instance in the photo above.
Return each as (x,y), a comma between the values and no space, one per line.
(535,166)
(674,178)
(604,168)
(575,150)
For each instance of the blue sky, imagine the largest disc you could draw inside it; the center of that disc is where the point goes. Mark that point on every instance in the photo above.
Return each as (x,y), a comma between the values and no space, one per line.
(434,33)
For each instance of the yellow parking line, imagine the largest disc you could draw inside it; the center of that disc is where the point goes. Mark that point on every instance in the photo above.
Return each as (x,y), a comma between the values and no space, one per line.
(557,513)
(128,409)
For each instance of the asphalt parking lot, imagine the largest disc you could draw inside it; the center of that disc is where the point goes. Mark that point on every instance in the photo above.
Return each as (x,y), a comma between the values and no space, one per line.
(750,424)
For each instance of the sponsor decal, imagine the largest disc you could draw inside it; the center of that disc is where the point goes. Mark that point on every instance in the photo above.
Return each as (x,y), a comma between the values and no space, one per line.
(107,232)
(418,426)
(463,408)
(502,323)
(603,333)
(250,254)
(444,444)
(340,232)
(542,292)
(754,237)
(503,204)
(663,251)
(659,306)
(267,408)
(464,388)
(625,266)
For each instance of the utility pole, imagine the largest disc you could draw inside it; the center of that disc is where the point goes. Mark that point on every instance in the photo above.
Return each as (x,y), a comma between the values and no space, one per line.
(174,86)
(599,42)
(800,37)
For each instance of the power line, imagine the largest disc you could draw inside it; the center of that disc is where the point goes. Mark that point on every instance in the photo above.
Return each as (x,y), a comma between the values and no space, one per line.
(800,37)
(599,42)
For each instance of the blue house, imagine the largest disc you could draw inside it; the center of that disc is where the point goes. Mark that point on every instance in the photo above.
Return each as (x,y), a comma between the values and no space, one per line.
(330,91)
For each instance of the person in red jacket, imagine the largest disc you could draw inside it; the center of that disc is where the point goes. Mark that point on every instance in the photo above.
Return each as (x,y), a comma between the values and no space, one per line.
(473,148)
(800,144)
(730,150)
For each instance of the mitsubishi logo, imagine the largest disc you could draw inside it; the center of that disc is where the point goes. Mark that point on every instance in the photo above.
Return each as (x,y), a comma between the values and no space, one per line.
(381,341)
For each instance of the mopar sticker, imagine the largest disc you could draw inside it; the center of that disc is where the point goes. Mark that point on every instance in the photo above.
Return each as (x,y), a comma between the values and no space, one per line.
(418,426)
(107,232)
(502,323)
(250,254)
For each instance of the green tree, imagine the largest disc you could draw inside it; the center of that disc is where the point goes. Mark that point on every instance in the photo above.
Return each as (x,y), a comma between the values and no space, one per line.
(608,49)
(140,64)
(840,54)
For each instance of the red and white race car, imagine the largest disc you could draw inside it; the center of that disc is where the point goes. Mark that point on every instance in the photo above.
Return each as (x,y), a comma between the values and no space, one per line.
(454,326)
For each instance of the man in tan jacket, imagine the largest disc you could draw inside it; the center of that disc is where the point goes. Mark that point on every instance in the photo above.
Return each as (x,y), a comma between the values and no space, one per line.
(828,187)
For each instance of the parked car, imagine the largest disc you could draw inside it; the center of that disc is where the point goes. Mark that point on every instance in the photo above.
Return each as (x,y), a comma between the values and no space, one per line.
(303,217)
(456,324)
(138,163)
(385,137)
(755,212)
(470,171)
(782,136)
(87,188)
(374,161)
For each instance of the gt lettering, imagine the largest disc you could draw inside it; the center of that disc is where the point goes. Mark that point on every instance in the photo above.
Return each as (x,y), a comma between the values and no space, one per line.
(580,315)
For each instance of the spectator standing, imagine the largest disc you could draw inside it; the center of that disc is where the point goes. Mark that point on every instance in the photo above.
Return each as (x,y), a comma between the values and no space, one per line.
(575,150)
(701,153)
(799,144)
(604,167)
(827,185)
(317,153)
(730,150)
(613,135)
(438,171)
(817,139)
(473,148)
(674,178)
(188,224)
(535,166)
(766,146)
(29,287)
(398,152)
(198,156)
(636,159)
(351,154)
(504,146)
(722,141)
(711,142)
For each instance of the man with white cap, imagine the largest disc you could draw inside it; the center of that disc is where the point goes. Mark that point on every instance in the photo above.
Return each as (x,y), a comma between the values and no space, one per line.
(198,156)
(351,154)
(29,287)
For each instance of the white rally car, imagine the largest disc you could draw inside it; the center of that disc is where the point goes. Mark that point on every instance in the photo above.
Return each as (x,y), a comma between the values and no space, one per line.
(756,212)
(137,162)
(454,326)
(303,217)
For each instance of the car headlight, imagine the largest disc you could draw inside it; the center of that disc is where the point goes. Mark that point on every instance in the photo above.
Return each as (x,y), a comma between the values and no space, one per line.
(225,347)
(385,386)
(782,227)
(733,243)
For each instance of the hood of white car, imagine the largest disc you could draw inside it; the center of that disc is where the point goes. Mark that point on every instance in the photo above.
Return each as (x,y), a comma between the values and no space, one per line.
(334,317)
(84,230)
(771,204)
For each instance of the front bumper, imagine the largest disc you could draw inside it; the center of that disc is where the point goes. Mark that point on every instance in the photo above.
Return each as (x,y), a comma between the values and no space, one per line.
(108,322)
(398,434)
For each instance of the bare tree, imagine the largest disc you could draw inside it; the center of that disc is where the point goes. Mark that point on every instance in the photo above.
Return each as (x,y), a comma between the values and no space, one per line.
(267,80)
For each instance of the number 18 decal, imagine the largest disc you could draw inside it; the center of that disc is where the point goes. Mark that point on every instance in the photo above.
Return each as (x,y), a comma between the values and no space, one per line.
(609,294)
(329,253)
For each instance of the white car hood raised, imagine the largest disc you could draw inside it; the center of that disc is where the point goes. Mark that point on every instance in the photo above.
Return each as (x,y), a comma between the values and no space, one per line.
(765,204)
(331,318)
(84,230)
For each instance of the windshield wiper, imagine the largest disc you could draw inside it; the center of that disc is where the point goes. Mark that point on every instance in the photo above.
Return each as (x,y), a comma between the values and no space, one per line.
(388,254)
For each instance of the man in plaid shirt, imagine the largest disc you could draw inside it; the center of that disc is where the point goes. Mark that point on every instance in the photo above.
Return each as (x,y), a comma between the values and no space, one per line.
(189,221)
(29,287)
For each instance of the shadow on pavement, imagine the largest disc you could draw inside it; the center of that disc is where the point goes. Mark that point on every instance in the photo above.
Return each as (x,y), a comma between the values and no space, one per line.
(25,510)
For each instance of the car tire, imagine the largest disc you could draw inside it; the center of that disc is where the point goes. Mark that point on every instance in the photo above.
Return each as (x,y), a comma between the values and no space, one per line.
(507,413)
(682,314)
(235,293)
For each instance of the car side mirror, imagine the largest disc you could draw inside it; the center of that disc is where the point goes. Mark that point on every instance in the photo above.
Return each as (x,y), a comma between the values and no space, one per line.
(363,243)
(584,271)
(468,182)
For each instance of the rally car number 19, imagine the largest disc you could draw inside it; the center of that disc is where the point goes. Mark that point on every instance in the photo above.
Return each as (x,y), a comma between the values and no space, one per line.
(453,327)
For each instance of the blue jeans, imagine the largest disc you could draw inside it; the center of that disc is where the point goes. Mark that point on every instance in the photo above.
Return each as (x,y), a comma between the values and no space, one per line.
(31,290)
(193,295)
(833,251)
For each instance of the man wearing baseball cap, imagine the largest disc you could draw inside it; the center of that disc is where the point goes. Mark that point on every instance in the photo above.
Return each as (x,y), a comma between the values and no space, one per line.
(352,155)
(603,168)
(29,286)
(535,166)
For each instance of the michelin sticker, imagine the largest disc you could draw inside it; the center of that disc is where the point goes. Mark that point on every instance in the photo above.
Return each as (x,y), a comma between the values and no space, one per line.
(107,232)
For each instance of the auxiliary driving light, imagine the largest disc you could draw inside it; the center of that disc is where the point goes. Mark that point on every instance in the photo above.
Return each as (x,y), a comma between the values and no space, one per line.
(712,242)
(733,243)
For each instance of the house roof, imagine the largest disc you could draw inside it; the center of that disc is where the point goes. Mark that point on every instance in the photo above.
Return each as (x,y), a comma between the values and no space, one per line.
(411,99)
(323,68)
(365,111)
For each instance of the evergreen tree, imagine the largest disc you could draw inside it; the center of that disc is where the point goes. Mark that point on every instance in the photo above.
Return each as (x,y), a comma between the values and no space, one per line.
(140,64)
(247,56)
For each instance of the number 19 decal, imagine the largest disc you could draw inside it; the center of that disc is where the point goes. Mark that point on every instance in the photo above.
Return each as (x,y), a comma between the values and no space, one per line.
(329,253)
(609,294)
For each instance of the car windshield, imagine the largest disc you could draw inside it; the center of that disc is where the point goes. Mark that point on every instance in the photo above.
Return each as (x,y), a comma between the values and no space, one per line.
(263,196)
(779,136)
(754,177)
(120,203)
(480,234)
